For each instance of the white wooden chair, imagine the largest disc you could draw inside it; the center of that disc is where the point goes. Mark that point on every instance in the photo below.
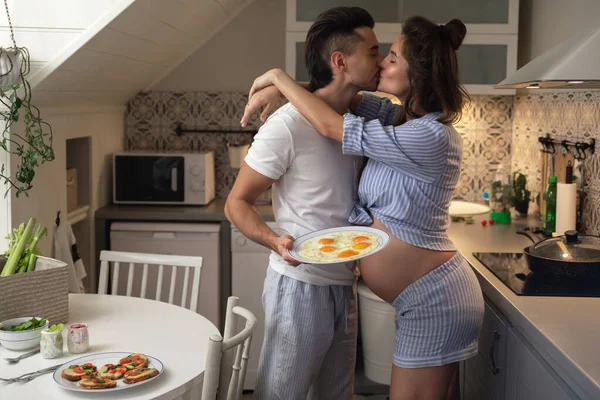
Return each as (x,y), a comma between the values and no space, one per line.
(221,362)
(135,260)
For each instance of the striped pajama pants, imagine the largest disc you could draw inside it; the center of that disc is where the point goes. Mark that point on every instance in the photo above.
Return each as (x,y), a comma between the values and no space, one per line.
(309,348)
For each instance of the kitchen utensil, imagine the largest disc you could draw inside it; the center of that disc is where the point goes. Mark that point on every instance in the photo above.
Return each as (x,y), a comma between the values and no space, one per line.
(31,375)
(561,161)
(22,356)
(568,256)
(544,161)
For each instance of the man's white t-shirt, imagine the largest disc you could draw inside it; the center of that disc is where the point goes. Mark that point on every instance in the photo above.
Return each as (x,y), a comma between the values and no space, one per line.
(316,187)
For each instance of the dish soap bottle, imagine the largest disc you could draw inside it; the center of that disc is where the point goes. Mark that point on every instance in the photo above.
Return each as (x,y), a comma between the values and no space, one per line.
(550,199)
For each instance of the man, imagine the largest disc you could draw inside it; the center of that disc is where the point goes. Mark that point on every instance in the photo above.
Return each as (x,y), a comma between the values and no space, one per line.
(310,310)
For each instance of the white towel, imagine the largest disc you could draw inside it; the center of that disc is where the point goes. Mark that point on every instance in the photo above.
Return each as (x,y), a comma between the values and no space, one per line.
(65,249)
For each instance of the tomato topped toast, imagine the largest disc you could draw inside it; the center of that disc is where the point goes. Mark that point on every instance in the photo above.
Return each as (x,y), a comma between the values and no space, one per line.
(135,360)
(138,375)
(76,372)
(97,383)
(112,371)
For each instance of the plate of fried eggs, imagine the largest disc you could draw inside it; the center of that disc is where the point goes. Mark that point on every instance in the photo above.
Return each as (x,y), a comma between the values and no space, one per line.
(335,245)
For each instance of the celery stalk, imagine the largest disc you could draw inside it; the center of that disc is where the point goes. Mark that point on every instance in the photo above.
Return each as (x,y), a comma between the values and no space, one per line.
(31,264)
(13,260)
(41,231)
(21,268)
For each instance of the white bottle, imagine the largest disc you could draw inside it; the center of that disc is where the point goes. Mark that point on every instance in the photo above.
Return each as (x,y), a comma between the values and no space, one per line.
(500,193)
(502,175)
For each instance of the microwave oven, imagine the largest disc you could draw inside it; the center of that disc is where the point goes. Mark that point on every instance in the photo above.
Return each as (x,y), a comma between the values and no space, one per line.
(167,178)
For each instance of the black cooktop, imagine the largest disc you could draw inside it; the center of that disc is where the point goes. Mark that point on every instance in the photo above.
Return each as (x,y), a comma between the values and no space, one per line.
(512,269)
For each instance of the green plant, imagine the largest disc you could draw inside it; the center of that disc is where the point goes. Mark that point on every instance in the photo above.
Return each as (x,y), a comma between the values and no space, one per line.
(33,146)
(22,249)
(520,195)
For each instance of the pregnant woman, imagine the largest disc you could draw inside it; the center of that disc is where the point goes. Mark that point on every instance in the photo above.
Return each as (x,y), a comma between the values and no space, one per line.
(405,190)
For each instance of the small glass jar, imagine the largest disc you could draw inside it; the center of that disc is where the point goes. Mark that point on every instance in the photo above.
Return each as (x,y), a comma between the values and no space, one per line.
(78,340)
(51,344)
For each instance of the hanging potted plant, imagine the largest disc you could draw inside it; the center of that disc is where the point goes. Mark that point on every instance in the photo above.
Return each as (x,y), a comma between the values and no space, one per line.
(32,145)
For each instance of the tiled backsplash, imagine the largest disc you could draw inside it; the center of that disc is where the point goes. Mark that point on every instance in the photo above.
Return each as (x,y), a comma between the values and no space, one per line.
(486,128)
(564,115)
(151,119)
(496,130)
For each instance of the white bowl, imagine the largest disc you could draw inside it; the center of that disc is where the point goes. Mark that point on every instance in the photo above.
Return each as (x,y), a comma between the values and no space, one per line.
(22,340)
(466,209)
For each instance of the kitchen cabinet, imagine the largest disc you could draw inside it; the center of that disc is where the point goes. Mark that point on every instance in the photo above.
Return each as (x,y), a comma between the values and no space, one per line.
(528,377)
(480,16)
(486,372)
(488,53)
(507,367)
(184,239)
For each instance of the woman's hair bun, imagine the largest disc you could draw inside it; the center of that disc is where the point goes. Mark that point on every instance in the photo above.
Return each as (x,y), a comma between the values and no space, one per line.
(456,32)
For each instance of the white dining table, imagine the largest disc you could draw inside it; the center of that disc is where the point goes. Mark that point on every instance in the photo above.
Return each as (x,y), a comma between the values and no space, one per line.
(174,335)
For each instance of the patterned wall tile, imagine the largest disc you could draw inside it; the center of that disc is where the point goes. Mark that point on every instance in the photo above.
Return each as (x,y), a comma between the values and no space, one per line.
(473,181)
(469,118)
(218,143)
(493,147)
(486,129)
(591,213)
(495,130)
(468,144)
(564,115)
(589,115)
(178,108)
(495,111)
(212,110)
(485,126)
(142,122)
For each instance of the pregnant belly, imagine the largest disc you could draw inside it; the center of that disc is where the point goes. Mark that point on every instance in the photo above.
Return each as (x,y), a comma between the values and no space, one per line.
(388,272)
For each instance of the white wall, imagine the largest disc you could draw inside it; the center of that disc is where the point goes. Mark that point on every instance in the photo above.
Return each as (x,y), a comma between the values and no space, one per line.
(252,43)
(545,23)
(105,126)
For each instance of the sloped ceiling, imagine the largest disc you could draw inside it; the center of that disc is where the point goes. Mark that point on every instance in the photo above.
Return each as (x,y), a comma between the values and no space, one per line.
(128,51)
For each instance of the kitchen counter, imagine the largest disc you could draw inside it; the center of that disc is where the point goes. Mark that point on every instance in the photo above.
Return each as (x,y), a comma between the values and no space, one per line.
(214,211)
(564,330)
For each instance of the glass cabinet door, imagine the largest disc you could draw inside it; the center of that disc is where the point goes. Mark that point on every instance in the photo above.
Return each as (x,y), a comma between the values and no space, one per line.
(480,16)
(468,11)
(484,60)
(381,10)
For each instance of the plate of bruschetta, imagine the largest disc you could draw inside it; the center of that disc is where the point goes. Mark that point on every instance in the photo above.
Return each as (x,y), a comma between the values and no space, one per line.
(108,371)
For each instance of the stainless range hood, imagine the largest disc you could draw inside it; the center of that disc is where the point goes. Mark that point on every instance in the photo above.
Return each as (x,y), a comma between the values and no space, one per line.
(572,64)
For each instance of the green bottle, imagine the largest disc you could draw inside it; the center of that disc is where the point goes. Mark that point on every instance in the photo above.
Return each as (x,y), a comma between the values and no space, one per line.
(550,198)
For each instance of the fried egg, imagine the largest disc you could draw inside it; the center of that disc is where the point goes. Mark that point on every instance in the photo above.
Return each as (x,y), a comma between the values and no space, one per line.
(338,246)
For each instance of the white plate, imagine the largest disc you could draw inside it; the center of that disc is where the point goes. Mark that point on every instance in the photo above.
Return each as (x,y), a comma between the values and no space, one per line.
(99,359)
(466,209)
(382,240)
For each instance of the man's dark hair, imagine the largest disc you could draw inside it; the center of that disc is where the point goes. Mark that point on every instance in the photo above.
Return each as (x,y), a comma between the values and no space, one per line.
(332,31)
